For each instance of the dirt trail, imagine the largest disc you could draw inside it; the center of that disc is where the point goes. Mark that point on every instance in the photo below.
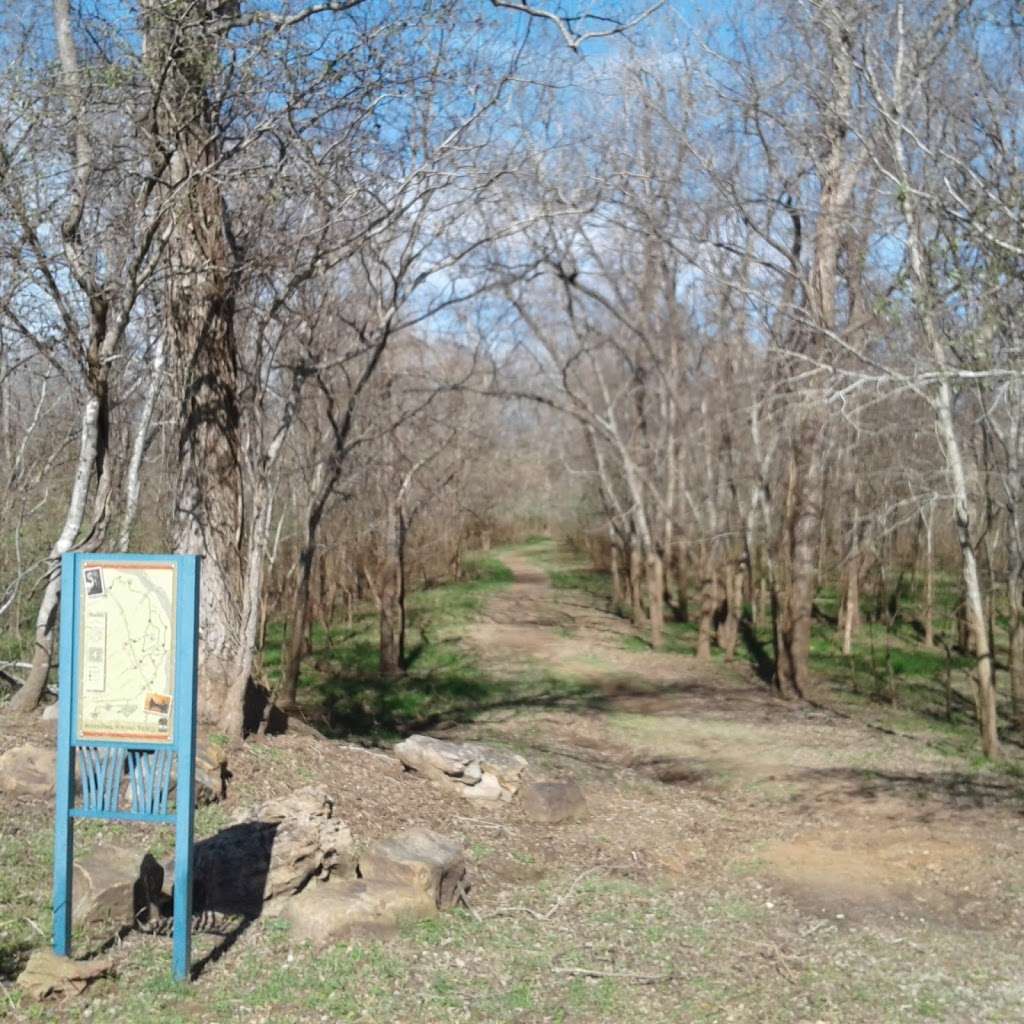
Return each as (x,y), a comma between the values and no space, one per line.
(845,821)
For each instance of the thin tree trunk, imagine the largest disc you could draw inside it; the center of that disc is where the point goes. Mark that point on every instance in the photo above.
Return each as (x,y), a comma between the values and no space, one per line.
(392,607)
(616,573)
(708,603)
(929,577)
(140,443)
(1015,601)
(851,615)
(636,586)
(656,595)
(942,404)
(804,523)
(682,611)
(29,695)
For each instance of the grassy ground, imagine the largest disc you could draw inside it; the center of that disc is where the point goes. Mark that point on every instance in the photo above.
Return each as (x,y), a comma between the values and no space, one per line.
(890,678)
(744,859)
(344,695)
(341,687)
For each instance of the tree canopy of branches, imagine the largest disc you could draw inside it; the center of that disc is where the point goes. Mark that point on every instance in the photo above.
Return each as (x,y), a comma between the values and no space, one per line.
(326,291)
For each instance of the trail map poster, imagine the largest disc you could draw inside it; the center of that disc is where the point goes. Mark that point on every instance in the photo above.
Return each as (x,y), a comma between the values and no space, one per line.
(126,651)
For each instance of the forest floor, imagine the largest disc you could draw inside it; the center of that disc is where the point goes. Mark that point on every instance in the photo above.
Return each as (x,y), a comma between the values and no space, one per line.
(744,859)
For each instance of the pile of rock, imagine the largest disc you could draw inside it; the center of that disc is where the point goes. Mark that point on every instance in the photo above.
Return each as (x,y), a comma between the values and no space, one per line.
(288,857)
(28,770)
(469,769)
(409,877)
(478,772)
(292,858)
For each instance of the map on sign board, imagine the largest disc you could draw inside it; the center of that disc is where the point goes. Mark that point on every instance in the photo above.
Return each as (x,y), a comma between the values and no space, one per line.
(126,651)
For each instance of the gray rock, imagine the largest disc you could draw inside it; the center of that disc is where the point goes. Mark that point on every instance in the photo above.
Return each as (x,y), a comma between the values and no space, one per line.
(308,802)
(210,772)
(272,851)
(114,888)
(472,770)
(29,770)
(51,712)
(549,803)
(47,974)
(419,859)
(325,912)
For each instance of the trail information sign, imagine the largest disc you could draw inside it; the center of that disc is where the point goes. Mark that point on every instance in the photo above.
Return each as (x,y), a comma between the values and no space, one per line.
(128,644)
(126,669)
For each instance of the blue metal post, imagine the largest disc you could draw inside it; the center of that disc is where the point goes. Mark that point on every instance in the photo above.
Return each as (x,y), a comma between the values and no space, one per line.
(64,841)
(187,614)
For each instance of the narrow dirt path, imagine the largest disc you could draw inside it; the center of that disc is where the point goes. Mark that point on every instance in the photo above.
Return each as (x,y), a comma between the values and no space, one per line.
(842,819)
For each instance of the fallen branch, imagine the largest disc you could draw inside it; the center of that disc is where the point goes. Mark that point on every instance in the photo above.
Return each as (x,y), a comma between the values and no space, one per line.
(464,900)
(552,910)
(12,679)
(496,825)
(593,972)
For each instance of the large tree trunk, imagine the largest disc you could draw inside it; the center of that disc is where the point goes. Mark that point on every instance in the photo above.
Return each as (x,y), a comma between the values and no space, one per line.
(838,174)
(200,309)
(729,625)
(210,510)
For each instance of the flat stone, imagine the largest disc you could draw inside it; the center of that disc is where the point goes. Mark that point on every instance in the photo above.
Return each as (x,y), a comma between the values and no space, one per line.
(47,974)
(472,770)
(419,859)
(325,912)
(51,712)
(115,887)
(550,803)
(29,770)
(308,802)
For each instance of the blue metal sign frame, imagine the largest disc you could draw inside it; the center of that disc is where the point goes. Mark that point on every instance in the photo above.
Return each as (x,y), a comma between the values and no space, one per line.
(148,764)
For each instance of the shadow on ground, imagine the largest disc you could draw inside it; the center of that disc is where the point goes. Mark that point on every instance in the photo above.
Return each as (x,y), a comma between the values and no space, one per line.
(950,789)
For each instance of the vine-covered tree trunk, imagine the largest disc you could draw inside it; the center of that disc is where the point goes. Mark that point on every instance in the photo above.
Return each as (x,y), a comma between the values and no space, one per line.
(182,48)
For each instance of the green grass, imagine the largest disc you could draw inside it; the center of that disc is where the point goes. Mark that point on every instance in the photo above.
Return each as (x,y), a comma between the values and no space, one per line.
(566,572)
(342,688)
(25,856)
(590,581)
(889,676)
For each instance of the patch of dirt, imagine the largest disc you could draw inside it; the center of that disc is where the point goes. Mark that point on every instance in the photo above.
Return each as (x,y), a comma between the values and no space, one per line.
(909,874)
(846,822)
